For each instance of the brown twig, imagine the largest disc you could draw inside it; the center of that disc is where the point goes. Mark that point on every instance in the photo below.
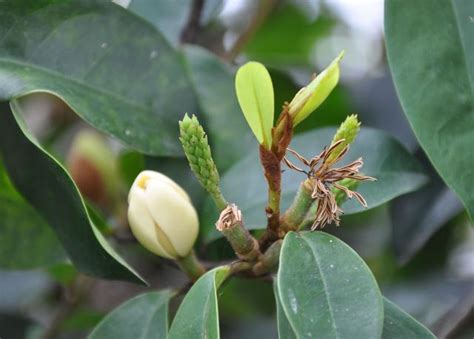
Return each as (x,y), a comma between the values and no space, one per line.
(264,9)
(193,24)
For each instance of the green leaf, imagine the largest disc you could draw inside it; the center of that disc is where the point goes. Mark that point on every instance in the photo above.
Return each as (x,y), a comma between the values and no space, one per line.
(197,316)
(434,77)
(26,241)
(397,173)
(111,67)
(400,325)
(213,83)
(326,289)
(46,185)
(144,316)
(285,331)
(416,217)
(254,89)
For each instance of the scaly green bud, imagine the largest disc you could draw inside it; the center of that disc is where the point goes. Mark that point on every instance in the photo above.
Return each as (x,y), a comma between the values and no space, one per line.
(310,97)
(347,131)
(197,150)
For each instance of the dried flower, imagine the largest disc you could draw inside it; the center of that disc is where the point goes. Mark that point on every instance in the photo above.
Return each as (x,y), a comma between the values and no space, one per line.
(323,177)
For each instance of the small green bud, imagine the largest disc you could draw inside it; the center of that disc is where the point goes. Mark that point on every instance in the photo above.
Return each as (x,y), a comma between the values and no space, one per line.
(347,131)
(198,152)
(254,89)
(310,97)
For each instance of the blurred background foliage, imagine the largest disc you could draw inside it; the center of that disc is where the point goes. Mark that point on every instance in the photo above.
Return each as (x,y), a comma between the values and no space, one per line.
(420,246)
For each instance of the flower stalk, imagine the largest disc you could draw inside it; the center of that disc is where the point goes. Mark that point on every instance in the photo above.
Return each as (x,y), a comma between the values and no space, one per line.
(191,266)
(231,225)
(302,202)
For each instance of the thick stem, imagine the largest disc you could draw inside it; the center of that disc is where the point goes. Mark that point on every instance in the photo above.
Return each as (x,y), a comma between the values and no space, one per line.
(272,171)
(296,213)
(269,260)
(230,224)
(191,265)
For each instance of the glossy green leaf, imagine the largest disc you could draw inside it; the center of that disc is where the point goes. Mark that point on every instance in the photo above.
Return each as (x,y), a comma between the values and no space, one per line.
(398,324)
(198,316)
(111,67)
(213,83)
(254,89)
(326,289)
(46,185)
(26,241)
(144,316)
(432,62)
(285,331)
(397,173)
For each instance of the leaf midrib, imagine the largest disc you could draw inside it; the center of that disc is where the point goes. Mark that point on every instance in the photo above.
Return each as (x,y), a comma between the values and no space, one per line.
(325,285)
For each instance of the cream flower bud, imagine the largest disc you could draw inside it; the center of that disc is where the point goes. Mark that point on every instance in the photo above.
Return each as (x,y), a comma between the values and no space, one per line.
(161,215)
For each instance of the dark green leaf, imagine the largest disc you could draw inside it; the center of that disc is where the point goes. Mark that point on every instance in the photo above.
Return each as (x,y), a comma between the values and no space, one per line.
(111,67)
(326,289)
(46,185)
(432,62)
(397,172)
(213,82)
(398,324)
(285,331)
(197,316)
(144,317)
(26,241)
(419,215)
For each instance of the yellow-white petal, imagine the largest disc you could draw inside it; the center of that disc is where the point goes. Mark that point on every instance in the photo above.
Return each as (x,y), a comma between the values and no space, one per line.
(142,224)
(173,214)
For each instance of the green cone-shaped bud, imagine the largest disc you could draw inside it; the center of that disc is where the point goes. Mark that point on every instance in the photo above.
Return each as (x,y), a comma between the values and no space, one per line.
(197,150)
(347,131)
(313,95)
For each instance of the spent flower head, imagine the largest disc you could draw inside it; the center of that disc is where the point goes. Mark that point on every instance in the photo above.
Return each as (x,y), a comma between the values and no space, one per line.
(323,177)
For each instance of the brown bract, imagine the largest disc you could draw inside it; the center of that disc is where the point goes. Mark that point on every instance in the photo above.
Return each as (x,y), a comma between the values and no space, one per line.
(323,177)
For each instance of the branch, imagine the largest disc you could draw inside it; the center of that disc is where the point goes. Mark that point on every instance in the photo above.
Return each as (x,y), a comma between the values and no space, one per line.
(193,25)
(264,9)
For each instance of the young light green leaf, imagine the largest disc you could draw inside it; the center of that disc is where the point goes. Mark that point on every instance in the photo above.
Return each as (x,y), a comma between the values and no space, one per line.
(326,289)
(197,316)
(399,324)
(310,97)
(254,89)
(144,316)
(47,186)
